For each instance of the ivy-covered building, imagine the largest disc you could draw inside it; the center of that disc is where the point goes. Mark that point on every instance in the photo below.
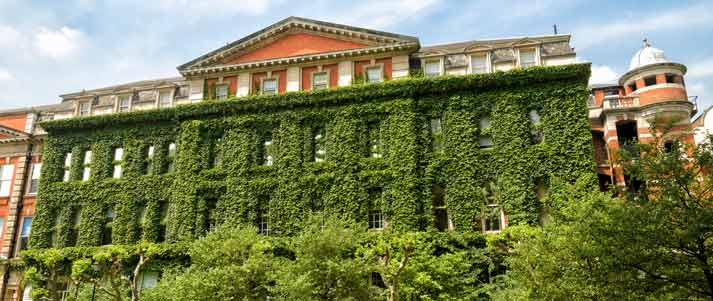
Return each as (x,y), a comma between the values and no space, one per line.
(307,117)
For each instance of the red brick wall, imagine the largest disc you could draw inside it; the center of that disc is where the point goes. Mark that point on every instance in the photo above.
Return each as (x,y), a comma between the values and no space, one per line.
(294,45)
(359,66)
(307,76)
(15,121)
(660,94)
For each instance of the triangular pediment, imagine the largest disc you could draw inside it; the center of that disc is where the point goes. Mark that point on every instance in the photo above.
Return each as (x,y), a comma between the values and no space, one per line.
(293,37)
(294,44)
(8,133)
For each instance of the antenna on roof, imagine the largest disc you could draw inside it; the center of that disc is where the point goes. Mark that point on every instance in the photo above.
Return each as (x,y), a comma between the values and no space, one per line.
(554,27)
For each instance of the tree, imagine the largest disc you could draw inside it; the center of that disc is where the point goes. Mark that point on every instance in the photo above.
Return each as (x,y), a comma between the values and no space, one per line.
(655,242)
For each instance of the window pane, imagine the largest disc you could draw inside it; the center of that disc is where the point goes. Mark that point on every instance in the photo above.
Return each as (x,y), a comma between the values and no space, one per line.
(267,153)
(527,58)
(164,99)
(433,68)
(373,74)
(484,123)
(320,144)
(534,116)
(479,64)
(68,160)
(86,173)
(87,157)
(26,226)
(7,170)
(124,103)
(269,86)
(221,92)
(118,154)
(320,81)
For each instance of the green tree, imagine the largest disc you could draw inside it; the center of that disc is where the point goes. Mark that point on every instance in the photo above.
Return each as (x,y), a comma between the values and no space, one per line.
(653,242)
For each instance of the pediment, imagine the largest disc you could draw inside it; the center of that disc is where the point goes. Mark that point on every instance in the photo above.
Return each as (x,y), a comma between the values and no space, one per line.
(7,132)
(294,37)
(293,44)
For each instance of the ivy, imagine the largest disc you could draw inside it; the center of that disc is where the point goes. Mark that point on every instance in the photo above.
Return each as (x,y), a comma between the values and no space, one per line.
(349,183)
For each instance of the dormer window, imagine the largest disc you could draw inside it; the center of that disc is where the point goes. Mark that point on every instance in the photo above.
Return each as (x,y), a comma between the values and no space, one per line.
(164,99)
(124,103)
(527,58)
(374,74)
(432,68)
(221,92)
(269,86)
(85,108)
(479,64)
(320,80)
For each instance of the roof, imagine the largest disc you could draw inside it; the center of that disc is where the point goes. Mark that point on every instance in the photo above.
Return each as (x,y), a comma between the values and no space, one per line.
(380,38)
(484,44)
(603,85)
(647,55)
(137,85)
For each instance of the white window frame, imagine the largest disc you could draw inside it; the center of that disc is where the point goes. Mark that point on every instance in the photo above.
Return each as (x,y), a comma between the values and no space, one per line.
(119,107)
(7,170)
(88,103)
(266,79)
(536,54)
(87,170)
(485,56)
(34,176)
(503,224)
(159,103)
(438,61)
(67,167)
(326,77)
(380,66)
(374,224)
(221,86)
(118,162)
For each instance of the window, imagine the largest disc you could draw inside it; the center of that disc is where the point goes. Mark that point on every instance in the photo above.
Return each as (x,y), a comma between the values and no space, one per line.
(269,86)
(267,152)
(25,233)
(536,132)
(632,87)
(86,173)
(432,68)
(35,178)
(6,179)
(171,158)
(149,159)
(485,140)
(479,64)
(164,99)
(118,161)
(438,206)
(374,74)
(217,152)
(264,224)
(670,78)
(108,224)
(376,220)
(221,92)
(527,58)
(319,142)
(149,279)
(84,108)
(649,80)
(124,103)
(74,230)
(163,220)
(320,80)
(67,167)
(436,129)
(375,147)
(493,218)
(211,213)
(56,234)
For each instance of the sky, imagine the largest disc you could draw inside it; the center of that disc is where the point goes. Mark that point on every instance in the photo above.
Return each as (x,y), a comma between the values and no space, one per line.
(53,47)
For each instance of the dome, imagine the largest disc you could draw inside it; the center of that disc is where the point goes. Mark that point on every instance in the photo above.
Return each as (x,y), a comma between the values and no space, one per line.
(647,55)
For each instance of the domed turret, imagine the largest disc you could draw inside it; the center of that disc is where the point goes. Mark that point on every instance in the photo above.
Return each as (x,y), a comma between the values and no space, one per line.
(647,55)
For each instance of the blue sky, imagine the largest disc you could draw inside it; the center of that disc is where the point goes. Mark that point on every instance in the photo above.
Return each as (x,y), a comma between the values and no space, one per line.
(52,47)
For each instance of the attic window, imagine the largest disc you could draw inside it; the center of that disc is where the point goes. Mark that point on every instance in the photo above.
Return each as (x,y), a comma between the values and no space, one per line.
(269,86)
(374,74)
(650,80)
(84,108)
(432,68)
(221,92)
(124,103)
(320,81)
(670,78)
(527,58)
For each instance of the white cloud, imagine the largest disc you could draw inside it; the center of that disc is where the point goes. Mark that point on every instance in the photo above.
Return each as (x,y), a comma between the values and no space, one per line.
(696,89)
(700,68)
(602,74)
(5,75)
(58,43)
(207,8)
(9,37)
(382,14)
(589,35)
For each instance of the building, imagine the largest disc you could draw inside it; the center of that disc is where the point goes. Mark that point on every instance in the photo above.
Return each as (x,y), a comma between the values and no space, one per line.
(652,90)
(293,55)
